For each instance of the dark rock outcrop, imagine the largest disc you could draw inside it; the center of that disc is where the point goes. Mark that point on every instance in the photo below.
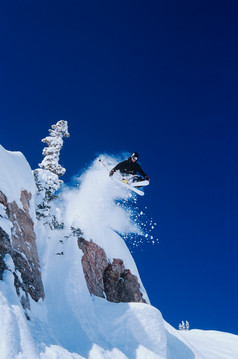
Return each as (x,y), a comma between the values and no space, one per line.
(108,280)
(5,248)
(21,246)
(94,262)
(120,285)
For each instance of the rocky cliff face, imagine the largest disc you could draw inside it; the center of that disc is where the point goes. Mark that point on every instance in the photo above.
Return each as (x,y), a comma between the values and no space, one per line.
(18,249)
(111,281)
(108,280)
(20,244)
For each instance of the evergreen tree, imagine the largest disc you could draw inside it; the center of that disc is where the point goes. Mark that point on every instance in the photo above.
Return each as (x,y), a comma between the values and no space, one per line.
(47,176)
(182,326)
(52,152)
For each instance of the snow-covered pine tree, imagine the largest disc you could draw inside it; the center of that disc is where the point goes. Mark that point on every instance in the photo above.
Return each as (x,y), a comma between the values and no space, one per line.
(182,326)
(52,152)
(47,176)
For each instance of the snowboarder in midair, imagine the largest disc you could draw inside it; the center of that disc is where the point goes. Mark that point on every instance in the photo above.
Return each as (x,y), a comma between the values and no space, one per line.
(130,167)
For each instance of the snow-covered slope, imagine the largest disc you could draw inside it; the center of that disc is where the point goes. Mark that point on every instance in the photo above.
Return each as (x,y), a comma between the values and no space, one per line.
(212,343)
(15,175)
(70,322)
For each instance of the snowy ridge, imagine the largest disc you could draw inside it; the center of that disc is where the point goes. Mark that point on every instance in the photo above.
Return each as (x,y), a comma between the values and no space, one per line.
(70,323)
(15,176)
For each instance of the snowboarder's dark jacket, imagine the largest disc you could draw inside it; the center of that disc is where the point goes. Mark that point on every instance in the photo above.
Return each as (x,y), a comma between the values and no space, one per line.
(129,167)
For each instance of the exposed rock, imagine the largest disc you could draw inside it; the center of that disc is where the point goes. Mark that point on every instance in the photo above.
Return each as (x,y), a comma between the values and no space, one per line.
(3,199)
(120,285)
(110,280)
(21,246)
(94,262)
(5,247)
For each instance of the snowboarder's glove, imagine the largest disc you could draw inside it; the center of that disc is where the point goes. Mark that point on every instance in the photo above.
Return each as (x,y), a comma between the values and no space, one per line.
(111,173)
(147,178)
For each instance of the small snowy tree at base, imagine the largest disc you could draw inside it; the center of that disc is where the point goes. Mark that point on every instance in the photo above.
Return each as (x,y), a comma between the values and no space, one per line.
(47,176)
(182,326)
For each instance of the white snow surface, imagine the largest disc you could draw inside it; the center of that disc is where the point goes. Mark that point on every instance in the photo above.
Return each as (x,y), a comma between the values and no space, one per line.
(70,323)
(15,175)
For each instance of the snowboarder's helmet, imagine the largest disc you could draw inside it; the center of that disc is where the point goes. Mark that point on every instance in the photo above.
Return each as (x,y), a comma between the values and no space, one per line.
(135,155)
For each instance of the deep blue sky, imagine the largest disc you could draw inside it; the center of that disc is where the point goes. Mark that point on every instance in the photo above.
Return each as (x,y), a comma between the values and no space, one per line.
(157,77)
